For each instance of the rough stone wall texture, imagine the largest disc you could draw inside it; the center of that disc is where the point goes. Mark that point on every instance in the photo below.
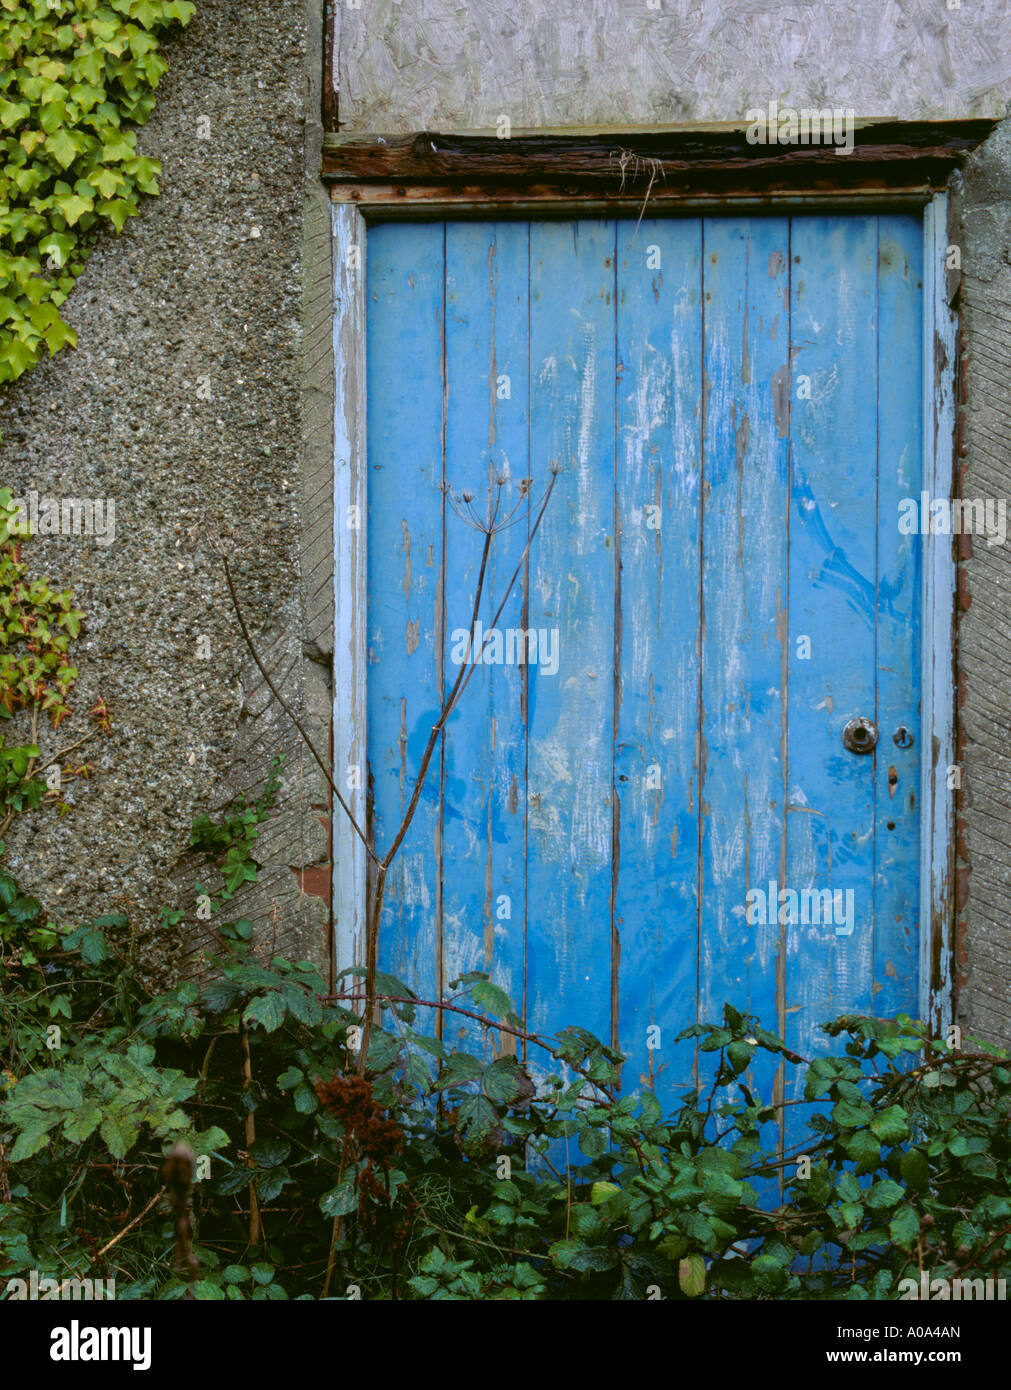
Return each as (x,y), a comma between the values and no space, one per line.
(206,282)
(985,626)
(446,65)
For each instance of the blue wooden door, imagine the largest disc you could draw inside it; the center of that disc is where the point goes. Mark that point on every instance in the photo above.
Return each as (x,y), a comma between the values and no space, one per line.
(654,812)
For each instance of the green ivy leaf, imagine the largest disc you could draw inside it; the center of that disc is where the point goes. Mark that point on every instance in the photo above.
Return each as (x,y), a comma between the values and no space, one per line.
(15,357)
(119,147)
(74,207)
(107,181)
(12,113)
(57,247)
(58,335)
(117,210)
(64,146)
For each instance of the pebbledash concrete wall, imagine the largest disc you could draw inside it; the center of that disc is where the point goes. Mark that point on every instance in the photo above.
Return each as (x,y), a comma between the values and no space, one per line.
(228,275)
(208,282)
(984,649)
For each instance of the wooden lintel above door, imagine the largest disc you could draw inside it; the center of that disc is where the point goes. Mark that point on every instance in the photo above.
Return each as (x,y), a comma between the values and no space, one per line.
(889,160)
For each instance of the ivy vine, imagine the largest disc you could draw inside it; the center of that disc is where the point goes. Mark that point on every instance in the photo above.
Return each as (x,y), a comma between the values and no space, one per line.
(37,625)
(75,75)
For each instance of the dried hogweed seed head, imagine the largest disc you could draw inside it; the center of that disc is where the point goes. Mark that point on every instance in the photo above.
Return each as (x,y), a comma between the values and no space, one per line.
(178,1175)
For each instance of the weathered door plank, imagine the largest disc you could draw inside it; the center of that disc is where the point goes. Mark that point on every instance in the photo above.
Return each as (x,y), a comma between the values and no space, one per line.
(833,553)
(485,768)
(900,472)
(572,394)
(744,580)
(659,323)
(405,301)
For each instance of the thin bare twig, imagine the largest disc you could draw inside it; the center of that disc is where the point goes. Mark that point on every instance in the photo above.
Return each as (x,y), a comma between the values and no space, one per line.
(255,1223)
(382,865)
(459,685)
(466,667)
(447,1007)
(291,713)
(115,1240)
(62,752)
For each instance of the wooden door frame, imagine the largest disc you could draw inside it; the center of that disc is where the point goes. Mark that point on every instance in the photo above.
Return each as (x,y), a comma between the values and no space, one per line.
(354,207)
(939,583)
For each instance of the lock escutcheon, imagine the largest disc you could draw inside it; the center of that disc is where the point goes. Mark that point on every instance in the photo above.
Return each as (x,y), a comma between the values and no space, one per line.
(860,735)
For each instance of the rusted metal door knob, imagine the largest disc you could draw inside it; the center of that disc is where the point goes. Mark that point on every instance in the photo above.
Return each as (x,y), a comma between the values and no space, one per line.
(860,735)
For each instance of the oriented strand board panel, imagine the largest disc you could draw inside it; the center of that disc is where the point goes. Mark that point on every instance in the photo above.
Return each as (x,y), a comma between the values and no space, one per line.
(405,65)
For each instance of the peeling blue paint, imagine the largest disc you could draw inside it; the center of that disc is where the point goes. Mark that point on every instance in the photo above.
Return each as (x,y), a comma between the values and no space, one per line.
(590,837)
